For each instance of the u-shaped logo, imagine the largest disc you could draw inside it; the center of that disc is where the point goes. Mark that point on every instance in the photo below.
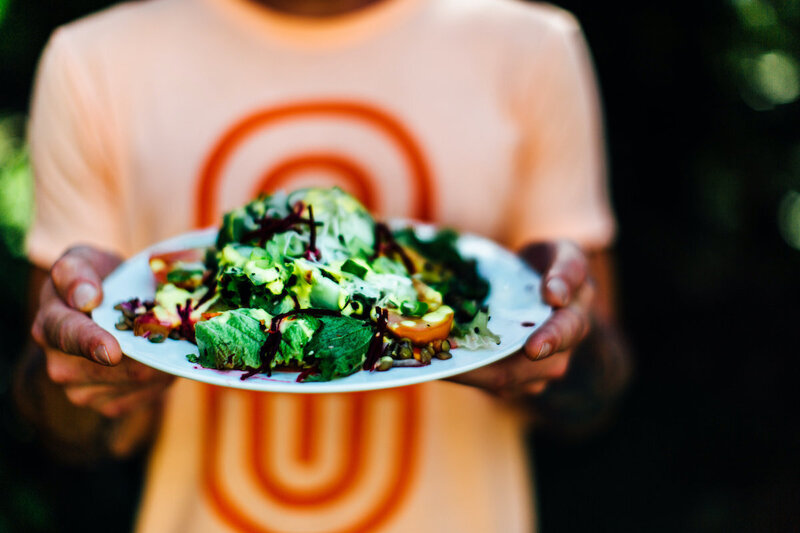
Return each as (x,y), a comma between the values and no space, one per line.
(252,479)
(206,205)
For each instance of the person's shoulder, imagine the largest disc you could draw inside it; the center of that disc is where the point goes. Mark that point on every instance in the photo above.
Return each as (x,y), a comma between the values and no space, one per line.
(521,28)
(124,21)
(515,13)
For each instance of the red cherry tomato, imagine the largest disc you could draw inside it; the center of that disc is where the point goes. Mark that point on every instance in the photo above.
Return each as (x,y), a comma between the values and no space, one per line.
(161,264)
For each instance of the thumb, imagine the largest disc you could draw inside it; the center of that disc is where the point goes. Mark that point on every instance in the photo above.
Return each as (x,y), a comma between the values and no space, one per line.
(77,276)
(563,267)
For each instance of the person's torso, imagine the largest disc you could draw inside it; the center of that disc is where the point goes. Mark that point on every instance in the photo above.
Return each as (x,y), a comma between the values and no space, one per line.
(417,120)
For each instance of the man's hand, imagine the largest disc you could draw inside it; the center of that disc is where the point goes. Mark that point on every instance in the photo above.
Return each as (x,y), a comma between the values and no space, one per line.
(81,356)
(546,355)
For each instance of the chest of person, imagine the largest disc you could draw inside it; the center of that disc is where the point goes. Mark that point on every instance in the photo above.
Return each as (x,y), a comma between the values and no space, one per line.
(421,130)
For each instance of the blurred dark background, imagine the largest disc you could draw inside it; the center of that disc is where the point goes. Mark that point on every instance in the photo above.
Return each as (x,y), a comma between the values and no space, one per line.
(701,102)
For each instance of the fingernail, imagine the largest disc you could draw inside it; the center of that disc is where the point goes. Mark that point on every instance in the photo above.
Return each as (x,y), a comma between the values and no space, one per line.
(101,355)
(83,296)
(558,288)
(544,351)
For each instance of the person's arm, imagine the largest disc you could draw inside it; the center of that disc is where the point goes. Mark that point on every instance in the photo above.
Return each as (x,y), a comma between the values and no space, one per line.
(73,154)
(560,219)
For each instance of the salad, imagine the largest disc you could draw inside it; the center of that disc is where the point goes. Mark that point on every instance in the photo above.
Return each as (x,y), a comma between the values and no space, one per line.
(310,282)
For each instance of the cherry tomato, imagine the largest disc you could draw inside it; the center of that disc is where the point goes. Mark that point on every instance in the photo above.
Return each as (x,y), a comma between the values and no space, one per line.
(148,322)
(419,330)
(162,264)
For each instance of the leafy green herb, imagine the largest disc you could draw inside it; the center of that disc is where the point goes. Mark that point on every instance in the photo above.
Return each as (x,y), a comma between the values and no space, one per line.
(413,308)
(339,347)
(355,268)
(181,275)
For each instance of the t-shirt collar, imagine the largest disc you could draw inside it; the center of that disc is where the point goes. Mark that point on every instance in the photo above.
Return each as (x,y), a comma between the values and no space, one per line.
(316,33)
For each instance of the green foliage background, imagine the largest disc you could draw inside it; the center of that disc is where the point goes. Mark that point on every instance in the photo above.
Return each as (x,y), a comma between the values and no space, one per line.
(702,123)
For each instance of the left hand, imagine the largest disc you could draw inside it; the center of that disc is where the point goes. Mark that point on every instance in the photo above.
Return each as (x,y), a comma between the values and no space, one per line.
(566,287)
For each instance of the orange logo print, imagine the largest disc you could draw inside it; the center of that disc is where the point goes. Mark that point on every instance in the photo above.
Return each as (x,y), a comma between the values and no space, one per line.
(206,207)
(330,463)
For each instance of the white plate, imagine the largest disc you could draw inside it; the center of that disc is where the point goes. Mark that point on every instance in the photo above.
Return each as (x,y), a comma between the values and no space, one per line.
(514,302)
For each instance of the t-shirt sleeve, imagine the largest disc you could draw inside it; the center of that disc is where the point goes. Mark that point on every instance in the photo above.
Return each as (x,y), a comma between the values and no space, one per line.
(562,190)
(75,184)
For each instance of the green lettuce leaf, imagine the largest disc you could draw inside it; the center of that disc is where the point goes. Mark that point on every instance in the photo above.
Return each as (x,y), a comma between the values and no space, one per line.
(232,339)
(339,347)
(475,334)
(296,332)
(347,229)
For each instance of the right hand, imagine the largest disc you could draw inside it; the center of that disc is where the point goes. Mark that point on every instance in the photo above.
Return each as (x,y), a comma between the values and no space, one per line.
(81,356)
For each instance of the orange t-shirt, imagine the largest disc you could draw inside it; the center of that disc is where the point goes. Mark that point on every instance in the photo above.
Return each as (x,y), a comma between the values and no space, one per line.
(151,118)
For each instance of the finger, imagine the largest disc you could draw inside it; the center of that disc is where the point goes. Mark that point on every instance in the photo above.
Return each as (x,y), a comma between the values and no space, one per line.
(565,328)
(72,332)
(77,276)
(127,403)
(566,274)
(514,373)
(563,266)
(551,369)
(114,400)
(76,371)
(535,387)
(93,395)
(494,378)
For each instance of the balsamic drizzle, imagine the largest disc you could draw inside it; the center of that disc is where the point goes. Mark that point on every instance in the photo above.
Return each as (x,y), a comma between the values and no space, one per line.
(270,348)
(375,348)
(304,374)
(386,244)
(210,283)
(186,329)
(313,253)
(270,226)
